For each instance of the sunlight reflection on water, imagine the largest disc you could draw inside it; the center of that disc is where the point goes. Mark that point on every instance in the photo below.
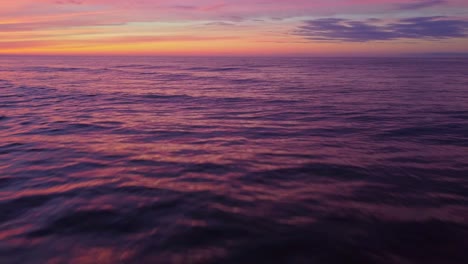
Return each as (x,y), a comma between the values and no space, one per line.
(233,160)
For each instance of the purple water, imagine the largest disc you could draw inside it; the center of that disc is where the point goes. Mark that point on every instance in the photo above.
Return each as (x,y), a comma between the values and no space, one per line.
(233,160)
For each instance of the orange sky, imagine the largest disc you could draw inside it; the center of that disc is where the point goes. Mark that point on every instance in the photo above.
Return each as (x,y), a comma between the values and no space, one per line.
(236,27)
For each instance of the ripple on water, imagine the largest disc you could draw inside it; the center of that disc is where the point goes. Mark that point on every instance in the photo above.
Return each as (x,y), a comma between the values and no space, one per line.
(239,160)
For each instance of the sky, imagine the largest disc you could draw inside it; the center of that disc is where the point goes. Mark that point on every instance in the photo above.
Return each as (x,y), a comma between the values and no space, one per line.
(234,27)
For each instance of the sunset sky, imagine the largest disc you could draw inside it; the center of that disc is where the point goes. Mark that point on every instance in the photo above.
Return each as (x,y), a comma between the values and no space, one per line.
(235,27)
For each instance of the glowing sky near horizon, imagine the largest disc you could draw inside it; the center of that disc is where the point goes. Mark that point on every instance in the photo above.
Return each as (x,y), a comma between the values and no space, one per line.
(235,27)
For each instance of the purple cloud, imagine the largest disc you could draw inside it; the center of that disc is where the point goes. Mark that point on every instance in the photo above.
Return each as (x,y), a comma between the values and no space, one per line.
(421,4)
(335,29)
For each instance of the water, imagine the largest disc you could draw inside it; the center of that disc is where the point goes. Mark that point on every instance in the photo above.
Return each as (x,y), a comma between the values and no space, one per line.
(233,160)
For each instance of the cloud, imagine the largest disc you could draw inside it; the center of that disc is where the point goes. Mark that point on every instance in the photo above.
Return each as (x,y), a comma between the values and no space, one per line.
(220,24)
(101,23)
(73,2)
(182,10)
(421,4)
(335,29)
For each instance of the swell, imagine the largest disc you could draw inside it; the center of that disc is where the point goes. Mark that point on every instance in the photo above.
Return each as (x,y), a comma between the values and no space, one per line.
(233,161)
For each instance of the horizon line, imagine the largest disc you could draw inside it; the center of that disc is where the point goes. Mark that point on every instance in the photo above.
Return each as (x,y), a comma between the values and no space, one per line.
(409,55)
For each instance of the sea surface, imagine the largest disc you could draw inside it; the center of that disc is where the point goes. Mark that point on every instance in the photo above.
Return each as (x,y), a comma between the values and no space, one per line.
(233,160)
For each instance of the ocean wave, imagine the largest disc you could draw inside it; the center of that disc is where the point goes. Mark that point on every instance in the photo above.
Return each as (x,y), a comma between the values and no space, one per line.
(233,160)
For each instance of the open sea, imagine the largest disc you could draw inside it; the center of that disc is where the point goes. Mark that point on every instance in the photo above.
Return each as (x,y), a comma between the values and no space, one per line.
(233,160)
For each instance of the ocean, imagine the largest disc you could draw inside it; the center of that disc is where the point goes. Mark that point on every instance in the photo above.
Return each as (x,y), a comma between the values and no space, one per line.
(233,160)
